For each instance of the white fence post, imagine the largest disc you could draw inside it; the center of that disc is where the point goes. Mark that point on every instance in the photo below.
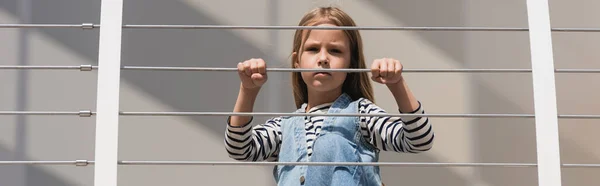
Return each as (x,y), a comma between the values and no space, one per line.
(544,92)
(109,75)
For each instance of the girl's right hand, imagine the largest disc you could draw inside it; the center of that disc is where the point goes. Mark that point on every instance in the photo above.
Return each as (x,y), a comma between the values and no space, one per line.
(253,73)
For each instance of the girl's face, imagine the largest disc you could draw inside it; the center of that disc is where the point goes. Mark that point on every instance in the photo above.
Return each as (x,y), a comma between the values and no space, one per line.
(326,49)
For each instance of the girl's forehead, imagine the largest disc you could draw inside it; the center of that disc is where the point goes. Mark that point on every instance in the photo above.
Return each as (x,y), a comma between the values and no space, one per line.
(327,36)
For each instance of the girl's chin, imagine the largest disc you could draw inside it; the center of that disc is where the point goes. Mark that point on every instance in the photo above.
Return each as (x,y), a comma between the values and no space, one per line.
(322,86)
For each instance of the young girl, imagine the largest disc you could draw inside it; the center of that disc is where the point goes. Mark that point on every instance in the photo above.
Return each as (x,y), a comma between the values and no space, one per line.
(321,138)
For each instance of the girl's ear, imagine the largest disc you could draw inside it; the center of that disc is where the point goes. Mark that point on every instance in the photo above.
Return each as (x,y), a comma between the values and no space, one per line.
(295,59)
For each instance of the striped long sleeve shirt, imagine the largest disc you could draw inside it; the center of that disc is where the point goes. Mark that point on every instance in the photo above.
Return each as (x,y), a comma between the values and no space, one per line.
(262,142)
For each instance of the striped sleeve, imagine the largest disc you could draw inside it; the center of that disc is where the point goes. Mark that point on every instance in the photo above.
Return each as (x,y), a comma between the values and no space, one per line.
(400,134)
(254,143)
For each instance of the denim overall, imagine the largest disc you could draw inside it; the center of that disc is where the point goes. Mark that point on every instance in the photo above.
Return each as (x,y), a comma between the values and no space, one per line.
(340,140)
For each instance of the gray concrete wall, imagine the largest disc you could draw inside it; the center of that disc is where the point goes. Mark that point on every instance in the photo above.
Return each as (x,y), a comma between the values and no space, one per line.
(200,138)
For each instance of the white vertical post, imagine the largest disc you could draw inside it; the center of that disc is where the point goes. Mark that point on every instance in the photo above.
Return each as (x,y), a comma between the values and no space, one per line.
(544,93)
(109,75)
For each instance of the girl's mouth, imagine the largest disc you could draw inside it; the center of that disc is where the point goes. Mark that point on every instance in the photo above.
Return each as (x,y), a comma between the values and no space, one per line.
(322,74)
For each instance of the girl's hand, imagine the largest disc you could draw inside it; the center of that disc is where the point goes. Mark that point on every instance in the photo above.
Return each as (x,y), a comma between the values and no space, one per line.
(253,73)
(386,71)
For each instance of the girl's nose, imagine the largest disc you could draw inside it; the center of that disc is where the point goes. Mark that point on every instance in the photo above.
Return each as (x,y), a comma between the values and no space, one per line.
(323,59)
(323,62)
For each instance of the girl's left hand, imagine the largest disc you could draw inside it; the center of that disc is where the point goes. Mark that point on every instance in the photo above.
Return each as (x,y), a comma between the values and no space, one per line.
(386,71)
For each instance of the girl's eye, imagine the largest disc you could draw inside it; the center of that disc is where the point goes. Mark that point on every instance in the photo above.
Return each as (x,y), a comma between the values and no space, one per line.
(336,51)
(312,49)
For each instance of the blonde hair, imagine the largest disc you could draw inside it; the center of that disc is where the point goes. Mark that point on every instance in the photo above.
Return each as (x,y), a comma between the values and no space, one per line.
(356,85)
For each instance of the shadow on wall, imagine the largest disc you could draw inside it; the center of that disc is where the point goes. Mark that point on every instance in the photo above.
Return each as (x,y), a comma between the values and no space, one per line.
(431,13)
(34,174)
(184,91)
(505,140)
(48,12)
